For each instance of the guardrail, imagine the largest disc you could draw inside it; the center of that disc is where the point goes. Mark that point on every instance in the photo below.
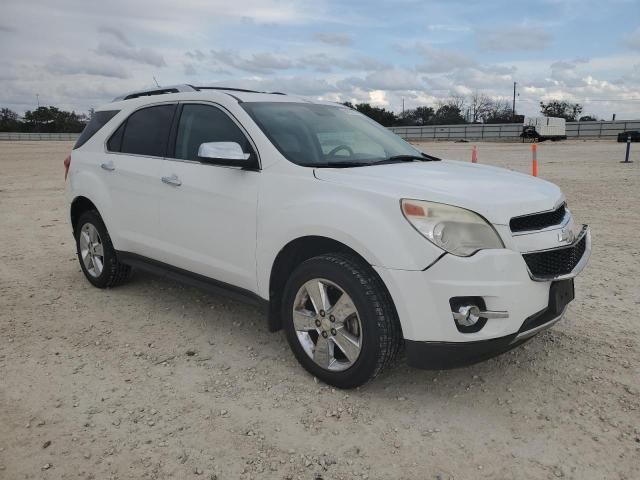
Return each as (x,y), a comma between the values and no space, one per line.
(496,131)
(38,136)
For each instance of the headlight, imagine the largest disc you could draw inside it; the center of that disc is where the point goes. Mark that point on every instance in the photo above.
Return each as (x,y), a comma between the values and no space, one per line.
(454,229)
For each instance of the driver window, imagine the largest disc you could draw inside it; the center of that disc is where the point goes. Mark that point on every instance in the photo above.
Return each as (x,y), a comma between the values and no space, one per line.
(201,124)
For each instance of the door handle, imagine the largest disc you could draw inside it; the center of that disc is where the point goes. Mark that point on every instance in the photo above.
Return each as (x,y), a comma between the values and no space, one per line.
(109,167)
(172,180)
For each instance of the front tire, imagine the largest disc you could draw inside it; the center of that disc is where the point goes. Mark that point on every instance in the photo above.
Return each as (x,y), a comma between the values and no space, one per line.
(339,320)
(96,254)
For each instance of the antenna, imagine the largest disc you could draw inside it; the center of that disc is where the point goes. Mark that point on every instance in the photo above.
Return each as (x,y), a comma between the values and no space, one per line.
(154,79)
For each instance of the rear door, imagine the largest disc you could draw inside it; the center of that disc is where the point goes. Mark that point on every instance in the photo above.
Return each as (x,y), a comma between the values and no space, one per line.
(208,212)
(136,150)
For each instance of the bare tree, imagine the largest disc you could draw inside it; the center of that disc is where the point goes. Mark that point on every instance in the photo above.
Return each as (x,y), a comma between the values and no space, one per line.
(454,101)
(498,111)
(479,107)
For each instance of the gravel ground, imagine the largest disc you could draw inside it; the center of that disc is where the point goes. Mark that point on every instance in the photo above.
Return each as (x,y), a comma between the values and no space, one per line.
(156,380)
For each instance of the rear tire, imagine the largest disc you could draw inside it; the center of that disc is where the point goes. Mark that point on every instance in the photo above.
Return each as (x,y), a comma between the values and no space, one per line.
(96,254)
(370,321)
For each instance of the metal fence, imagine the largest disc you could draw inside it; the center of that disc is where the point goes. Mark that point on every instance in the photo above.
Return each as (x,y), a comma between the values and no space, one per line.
(497,131)
(38,136)
(512,131)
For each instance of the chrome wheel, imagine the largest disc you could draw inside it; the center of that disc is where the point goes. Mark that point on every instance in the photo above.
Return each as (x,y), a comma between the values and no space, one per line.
(91,250)
(327,324)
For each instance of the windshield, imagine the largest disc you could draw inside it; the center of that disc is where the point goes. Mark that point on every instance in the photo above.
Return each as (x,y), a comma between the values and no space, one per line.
(325,135)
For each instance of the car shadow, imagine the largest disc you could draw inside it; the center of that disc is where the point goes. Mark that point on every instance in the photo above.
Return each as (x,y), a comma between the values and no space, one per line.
(248,325)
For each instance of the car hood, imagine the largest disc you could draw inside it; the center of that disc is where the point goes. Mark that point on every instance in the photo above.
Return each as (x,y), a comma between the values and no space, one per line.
(495,193)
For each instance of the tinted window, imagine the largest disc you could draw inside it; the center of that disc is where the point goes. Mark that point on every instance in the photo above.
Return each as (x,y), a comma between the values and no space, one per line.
(115,142)
(98,120)
(201,124)
(146,131)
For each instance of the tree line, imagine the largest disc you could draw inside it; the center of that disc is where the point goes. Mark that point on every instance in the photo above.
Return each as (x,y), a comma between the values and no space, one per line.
(478,108)
(43,119)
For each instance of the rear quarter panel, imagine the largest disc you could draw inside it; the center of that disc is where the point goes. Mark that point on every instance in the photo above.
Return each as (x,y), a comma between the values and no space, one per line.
(85,180)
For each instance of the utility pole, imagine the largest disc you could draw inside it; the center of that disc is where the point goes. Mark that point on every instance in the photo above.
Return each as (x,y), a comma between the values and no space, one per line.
(37,113)
(402,107)
(514,101)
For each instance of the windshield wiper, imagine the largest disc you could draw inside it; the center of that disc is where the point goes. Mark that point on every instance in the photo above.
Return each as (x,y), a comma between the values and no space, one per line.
(338,164)
(407,158)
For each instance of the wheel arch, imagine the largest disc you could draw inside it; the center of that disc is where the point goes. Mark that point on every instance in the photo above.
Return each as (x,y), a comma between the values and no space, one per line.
(79,205)
(293,254)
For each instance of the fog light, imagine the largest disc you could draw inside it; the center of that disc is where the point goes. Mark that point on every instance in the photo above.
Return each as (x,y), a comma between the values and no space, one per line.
(469,315)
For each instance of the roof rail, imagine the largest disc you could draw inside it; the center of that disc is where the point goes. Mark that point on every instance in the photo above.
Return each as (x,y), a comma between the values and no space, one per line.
(183,88)
(231,89)
(157,91)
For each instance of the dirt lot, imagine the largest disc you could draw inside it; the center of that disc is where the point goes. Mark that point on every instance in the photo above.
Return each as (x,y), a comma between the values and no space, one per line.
(155,380)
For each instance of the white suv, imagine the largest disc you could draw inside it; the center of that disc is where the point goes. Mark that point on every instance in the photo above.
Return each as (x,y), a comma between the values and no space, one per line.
(358,244)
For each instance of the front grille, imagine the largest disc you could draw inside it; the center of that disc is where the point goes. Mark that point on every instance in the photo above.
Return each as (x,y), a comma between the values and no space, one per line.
(554,263)
(538,221)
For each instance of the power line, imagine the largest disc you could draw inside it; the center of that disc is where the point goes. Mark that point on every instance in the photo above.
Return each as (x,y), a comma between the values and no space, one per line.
(588,99)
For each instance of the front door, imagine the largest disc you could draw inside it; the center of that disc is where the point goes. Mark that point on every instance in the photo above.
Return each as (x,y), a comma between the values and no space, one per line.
(208,212)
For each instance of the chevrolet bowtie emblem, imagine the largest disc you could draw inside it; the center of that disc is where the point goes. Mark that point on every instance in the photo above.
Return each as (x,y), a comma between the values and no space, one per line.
(566,236)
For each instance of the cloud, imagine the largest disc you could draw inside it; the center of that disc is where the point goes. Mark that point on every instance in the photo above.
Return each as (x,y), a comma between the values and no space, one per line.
(7,29)
(331,38)
(632,40)
(60,64)
(322,62)
(498,69)
(441,61)
(262,62)
(632,77)
(393,80)
(140,55)
(117,34)
(567,73)
(513,38)
(484,78)
(265,63)
(116,46)
(298,84)
(449,27)
(196,55)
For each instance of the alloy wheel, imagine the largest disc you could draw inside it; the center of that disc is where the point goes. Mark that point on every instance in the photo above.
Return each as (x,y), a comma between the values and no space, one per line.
(91,250)
(327,324)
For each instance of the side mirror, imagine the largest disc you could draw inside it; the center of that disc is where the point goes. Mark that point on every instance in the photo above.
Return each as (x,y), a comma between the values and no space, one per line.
(223,153)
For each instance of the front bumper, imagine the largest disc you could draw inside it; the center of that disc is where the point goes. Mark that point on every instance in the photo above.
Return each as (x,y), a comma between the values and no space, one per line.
(444,355)
(504,281)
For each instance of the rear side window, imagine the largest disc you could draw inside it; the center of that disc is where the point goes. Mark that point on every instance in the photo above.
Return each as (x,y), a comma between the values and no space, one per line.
(145,132)
(201,124)
(115,142)
(98,120)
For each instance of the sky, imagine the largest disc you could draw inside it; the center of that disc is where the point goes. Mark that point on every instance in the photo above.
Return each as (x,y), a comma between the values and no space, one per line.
(78,54)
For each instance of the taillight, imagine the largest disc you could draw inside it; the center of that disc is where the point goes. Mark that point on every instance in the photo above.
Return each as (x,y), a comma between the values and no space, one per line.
(67,164)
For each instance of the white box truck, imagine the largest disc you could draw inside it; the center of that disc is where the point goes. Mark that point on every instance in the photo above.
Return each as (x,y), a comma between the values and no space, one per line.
(544,128)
